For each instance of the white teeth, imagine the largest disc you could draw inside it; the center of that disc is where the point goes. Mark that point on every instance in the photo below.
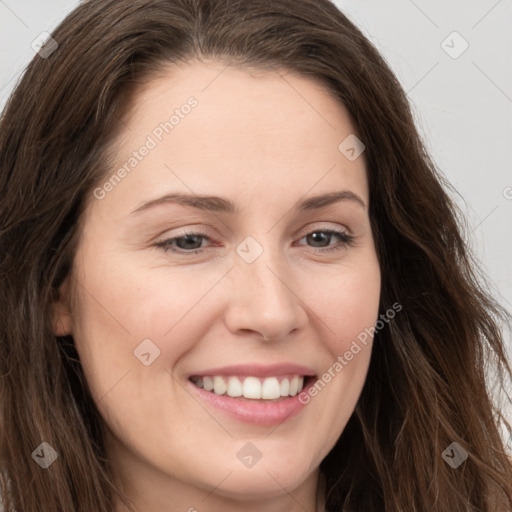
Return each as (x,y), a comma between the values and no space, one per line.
(270,389)
(285,387)
(208,383)
(234,387)
(219,386)
(294,386)
(251,387)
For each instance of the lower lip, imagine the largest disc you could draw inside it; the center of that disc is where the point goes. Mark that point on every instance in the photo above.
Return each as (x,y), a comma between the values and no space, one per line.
(257,412)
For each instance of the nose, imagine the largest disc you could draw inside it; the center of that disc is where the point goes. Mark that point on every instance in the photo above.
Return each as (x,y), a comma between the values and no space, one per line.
(264,296)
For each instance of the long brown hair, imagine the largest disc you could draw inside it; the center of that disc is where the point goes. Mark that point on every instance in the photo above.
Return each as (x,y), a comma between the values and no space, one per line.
(426,387)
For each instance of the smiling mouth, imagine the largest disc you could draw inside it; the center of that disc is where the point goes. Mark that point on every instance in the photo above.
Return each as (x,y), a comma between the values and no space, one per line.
(252,388)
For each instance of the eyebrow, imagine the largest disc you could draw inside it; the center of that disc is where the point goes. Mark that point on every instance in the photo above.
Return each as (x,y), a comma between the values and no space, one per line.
(221,205)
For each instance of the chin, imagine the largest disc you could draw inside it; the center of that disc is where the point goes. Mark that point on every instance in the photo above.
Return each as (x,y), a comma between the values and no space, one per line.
(262,480)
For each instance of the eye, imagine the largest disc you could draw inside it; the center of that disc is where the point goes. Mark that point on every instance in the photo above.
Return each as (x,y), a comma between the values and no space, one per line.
(184,243)
(191,242)
(322,235)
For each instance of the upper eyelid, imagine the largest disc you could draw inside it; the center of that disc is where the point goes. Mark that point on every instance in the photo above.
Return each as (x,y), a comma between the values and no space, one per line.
(208,231)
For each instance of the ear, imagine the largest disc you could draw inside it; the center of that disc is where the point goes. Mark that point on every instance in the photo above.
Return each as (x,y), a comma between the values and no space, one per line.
(62,318)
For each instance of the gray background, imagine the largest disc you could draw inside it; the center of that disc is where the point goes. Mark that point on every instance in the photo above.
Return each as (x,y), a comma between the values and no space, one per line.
(463,105)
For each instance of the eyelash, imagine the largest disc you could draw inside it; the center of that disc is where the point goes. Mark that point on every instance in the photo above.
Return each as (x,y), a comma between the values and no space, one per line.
(346,241)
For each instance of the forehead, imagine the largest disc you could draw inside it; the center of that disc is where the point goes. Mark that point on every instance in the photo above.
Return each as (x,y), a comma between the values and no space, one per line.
(250,134)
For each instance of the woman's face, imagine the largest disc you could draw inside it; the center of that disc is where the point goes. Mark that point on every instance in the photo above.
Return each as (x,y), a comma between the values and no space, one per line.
(258,297)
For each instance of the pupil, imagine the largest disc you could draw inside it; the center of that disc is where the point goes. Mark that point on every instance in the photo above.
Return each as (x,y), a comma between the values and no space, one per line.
(317,236)
(188,238)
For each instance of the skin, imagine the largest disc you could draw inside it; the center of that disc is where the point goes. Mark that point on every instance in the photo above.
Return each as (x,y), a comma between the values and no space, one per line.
(264,140)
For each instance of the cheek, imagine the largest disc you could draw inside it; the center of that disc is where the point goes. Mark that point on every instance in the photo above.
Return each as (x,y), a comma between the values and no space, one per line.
(348,309)
(347,302)
(122,304)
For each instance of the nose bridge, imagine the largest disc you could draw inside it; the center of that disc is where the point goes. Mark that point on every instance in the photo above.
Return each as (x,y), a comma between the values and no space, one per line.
(264,300)
(258,262)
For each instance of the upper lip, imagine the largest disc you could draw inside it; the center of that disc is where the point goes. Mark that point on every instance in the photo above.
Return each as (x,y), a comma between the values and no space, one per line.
(257,370)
